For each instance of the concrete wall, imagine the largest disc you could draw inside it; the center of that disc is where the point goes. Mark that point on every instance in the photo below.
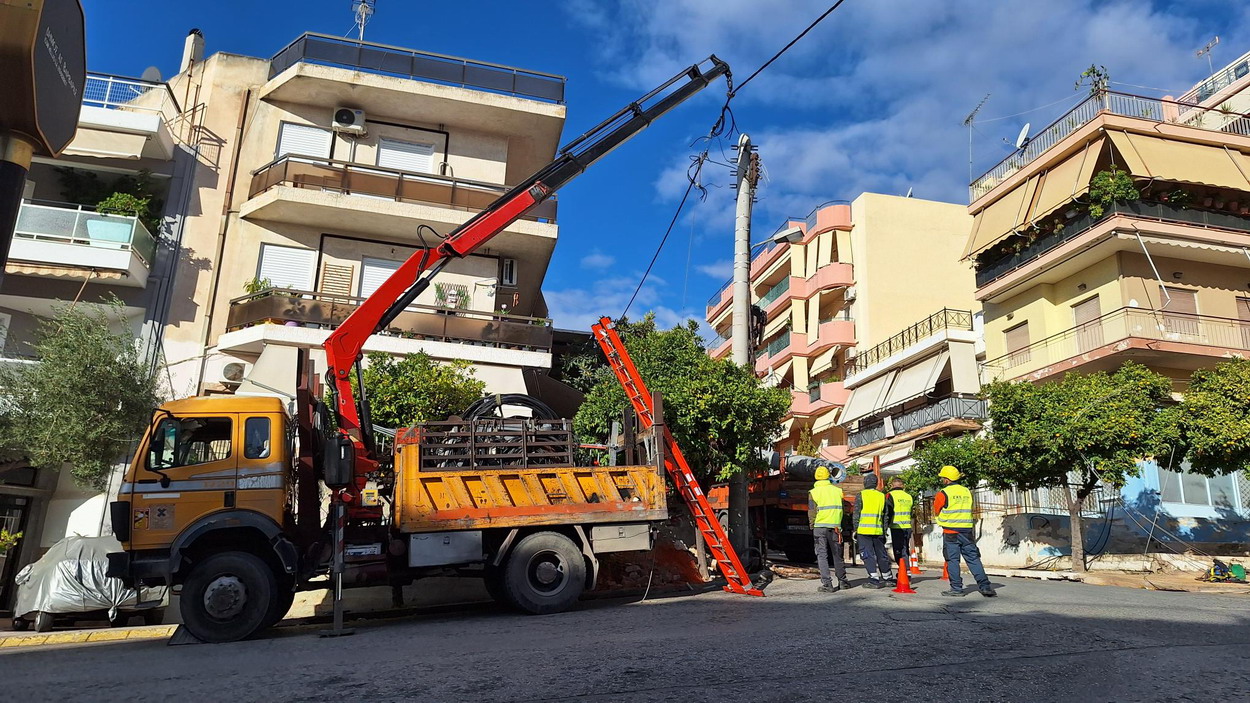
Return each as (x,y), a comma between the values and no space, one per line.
(76,511)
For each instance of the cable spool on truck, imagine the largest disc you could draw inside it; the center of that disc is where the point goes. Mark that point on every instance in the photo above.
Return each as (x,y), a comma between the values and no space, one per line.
(224,498)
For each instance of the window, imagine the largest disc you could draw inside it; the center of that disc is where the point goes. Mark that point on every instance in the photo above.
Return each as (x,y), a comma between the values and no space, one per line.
(1243,315)
(303,140)
(256,438)
(1017,344)
(507,276)
(406,156)
(374,272)
(287,267)
(1085,315)
(1180,310)
(190,441)
(1195,489)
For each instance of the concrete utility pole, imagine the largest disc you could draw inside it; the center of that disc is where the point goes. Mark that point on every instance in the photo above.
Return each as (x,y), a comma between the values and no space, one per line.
(748,174)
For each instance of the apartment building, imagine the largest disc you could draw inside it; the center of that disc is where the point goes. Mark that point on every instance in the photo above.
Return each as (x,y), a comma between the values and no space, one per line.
(324,167)
(862,271)
(66,252)
(1071,282)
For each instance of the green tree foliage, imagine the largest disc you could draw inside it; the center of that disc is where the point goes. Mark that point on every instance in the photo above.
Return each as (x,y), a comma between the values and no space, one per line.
(583,367)
(1095,78)
(87,400)
(974,456)
(1215,418)
(8,540)
(717,411)
(415,388)
(123,195)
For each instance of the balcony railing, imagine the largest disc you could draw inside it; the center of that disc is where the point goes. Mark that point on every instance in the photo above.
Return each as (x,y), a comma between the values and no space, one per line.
(782,287)
(775,347)
(1159,212)
(1120,325)
(943,319)
(118,93)
(715,299)
(80,226)
(969,407)
(1154,109)
(378,182)
(1220,80)
(418,65)
(305,309)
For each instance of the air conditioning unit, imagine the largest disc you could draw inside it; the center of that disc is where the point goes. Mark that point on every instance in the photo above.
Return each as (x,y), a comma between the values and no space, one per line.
(850,294)
(349,120)
(851,355)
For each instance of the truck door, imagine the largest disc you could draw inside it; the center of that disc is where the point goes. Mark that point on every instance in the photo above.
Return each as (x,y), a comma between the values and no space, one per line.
(263,466)
(197,454)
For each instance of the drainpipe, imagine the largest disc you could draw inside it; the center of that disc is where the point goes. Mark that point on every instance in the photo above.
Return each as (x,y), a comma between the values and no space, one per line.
(222,227)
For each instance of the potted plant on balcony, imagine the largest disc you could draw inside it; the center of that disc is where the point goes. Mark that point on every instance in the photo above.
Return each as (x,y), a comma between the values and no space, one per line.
(1107,188)
(112,231)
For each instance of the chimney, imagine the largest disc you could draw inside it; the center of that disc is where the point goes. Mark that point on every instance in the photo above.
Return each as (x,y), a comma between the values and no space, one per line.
(192,50)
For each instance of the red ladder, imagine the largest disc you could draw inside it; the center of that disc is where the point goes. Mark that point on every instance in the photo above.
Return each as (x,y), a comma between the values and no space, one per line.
(674,461)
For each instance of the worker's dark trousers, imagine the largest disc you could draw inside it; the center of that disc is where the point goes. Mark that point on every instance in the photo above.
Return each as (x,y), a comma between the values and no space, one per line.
(876,559)
(827,543)
(955,544)
(900,541)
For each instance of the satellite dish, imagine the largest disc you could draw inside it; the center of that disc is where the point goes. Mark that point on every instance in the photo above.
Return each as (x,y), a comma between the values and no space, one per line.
(152,74)
(1022,139)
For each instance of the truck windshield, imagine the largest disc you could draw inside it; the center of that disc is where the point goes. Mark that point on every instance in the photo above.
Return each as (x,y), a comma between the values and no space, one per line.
(189,441)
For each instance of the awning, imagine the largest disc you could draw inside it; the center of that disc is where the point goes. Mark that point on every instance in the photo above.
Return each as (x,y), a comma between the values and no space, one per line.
(825,422)
(824,360)
(106,145)
(271,374)
(1239,252)
(916,380)
(774,326)
(1068,179)
(1171,160)
(999,218)
(965,373)
(893,454)
(75,273)
(867,398)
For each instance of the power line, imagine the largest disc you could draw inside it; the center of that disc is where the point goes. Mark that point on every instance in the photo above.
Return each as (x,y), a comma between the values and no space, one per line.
(786,48)
(689,187)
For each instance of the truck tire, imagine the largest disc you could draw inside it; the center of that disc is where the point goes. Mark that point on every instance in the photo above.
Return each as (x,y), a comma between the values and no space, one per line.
(280,606)
(801,555)
(228,597)
(544,574)
(43,622)
(493,579)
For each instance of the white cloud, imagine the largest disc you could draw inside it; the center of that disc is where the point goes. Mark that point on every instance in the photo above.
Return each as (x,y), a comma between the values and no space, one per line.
(597,260)
(721,269)
(580,307)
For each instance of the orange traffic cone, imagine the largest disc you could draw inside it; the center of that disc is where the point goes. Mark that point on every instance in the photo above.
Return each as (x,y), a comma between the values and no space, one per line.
(904,583)
(945,574)
(915,563)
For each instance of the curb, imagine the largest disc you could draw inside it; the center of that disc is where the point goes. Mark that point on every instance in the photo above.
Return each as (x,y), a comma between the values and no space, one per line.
(81,636)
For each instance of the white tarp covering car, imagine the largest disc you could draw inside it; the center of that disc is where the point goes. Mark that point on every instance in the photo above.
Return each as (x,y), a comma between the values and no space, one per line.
(70,580)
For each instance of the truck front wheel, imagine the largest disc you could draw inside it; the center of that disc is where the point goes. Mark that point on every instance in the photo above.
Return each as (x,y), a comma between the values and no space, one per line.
(545,573)
(228,597)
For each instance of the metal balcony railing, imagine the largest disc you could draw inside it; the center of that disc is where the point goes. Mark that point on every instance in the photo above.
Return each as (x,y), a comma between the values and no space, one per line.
(782,287)
(943,319)
(956,405)
(418,65)
(1120,325)
(1144,209)
(119,93)
(283,306)
(376,181)
(1238,69)
(1128,105)
(775,347)
(712,301)
(81,226)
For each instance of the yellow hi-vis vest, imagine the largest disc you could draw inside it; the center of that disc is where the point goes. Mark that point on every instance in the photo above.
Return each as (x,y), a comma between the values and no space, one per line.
(902,509)
(870,518)
(828,498)
(957,513)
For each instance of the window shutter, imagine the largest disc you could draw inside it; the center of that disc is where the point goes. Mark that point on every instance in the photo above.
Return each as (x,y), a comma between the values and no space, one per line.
(304,140)
(336,280)
(406,156)
(287,267)
(373,272)
(1017,344)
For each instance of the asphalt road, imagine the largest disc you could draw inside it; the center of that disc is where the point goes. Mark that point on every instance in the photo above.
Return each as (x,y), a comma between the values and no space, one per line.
(1038,641)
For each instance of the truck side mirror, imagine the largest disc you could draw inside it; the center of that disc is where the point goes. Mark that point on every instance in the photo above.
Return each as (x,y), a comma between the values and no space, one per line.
(340,461)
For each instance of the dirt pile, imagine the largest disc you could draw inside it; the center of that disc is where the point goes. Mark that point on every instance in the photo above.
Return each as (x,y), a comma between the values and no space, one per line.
(668,565)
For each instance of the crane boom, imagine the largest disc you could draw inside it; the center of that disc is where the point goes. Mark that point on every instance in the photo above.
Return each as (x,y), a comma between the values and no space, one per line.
(344,346)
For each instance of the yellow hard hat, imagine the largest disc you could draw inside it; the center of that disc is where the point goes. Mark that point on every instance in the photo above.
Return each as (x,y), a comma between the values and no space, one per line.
(949,473)
(822,474)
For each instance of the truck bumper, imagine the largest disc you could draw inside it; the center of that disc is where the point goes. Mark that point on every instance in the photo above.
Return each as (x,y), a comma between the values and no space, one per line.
(145,570)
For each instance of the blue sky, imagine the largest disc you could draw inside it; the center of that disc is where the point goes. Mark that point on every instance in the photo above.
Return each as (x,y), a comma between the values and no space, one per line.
(871,100)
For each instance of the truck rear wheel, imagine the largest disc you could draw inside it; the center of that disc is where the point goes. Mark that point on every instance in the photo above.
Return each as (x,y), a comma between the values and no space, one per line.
(228,596)
(545,573)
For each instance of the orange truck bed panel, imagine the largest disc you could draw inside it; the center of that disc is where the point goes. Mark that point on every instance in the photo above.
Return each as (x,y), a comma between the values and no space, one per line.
(474,499)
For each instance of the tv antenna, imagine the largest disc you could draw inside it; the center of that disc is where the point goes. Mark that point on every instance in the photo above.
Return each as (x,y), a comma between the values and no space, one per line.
(972,116)
(363,10)
(1206,51)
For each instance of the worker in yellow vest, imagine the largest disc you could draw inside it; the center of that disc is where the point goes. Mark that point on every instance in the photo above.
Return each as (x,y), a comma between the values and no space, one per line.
(870,532)
(824,516)
(898,504)
(952,508)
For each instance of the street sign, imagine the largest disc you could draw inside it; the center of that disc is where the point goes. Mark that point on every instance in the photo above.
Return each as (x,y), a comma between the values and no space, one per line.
(43,60)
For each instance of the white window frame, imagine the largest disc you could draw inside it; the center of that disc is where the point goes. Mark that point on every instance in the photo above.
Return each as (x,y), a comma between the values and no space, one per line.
(277,147)
(1209,501)
(364,268)
(312,265)
(508,272)
(430,167)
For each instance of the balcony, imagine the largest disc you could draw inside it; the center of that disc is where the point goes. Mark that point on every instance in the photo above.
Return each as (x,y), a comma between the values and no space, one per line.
(344,195)
(125,118)
(933,412)
(1153,109)
(1179,340)
(1235,71)
(829,333)
(74,243)
(721,345)
(944,319)
(819,399)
